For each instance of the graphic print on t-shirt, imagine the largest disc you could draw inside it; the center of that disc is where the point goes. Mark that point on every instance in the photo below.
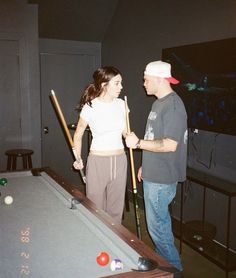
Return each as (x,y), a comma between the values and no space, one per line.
(149,135)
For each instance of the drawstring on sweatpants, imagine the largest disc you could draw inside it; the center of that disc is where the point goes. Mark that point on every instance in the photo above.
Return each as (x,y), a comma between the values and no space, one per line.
(113,167)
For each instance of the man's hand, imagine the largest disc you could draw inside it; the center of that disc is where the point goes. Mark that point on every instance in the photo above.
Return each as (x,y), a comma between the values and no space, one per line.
(140,178)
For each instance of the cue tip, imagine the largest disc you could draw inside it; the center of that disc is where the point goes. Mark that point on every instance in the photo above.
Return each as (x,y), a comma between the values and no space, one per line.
(52,92)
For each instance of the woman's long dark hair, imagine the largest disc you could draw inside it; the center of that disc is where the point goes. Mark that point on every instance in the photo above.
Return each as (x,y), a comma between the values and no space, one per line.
(94,89)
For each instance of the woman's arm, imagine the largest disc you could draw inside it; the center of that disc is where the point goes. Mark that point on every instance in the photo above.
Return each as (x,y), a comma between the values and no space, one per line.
(77,140)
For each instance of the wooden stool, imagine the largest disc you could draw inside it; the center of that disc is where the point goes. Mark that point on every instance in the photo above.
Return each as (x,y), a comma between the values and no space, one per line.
(12,158)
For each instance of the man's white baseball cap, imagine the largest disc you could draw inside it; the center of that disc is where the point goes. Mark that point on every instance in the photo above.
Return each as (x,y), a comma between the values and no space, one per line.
(160,69)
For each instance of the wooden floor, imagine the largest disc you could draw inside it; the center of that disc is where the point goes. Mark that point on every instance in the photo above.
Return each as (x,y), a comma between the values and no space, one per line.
(195,265)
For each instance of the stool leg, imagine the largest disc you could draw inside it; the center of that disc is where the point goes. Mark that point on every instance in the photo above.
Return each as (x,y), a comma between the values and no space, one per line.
(30,162)
(24,162)
(8,163)
(14,163)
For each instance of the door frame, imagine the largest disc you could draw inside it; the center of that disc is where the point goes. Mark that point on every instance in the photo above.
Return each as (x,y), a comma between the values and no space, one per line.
(28,138)
(61,47)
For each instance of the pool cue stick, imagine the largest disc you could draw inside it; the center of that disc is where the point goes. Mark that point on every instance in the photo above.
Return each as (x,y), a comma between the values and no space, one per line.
(135,192)
(63,122)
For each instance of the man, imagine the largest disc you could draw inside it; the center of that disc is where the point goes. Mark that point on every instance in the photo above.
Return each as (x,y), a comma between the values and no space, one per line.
(164,156)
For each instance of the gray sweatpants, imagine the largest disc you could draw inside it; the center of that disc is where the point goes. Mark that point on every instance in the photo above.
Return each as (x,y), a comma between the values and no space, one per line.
(106,183)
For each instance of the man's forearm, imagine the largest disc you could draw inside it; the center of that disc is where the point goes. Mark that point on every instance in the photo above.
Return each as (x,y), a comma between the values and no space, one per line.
(158,145)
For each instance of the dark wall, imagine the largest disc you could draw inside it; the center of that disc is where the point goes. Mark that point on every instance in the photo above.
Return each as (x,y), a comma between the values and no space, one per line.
(138,33)
(81,20)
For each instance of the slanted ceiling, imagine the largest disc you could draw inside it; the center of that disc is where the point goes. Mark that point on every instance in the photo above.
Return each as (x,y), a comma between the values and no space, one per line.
(82,20)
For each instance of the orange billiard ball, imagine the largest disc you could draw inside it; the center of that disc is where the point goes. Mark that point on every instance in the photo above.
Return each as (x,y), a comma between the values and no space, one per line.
(102,258)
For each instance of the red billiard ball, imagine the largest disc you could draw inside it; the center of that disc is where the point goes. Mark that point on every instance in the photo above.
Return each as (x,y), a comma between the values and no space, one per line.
(102,258)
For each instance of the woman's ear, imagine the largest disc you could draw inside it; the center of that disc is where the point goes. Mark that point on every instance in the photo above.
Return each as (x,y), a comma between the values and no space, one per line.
(103,85)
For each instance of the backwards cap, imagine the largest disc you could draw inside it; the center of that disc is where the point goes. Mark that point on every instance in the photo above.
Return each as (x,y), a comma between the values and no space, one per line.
(160,69)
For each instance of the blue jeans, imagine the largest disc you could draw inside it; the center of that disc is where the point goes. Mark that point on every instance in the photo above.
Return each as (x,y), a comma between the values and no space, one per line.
(157,198)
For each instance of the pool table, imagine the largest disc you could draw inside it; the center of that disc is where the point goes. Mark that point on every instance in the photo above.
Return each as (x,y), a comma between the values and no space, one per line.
(52,230)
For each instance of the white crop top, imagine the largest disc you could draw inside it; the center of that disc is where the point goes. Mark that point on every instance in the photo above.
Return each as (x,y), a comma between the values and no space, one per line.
(107,122)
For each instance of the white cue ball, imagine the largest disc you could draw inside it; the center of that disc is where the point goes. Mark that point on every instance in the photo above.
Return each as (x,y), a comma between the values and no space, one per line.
(8,200)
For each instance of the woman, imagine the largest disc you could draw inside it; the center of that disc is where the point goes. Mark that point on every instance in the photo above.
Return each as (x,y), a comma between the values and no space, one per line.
(106,169)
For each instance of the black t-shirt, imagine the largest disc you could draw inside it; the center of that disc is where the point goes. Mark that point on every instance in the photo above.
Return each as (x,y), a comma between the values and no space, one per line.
(167,119)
